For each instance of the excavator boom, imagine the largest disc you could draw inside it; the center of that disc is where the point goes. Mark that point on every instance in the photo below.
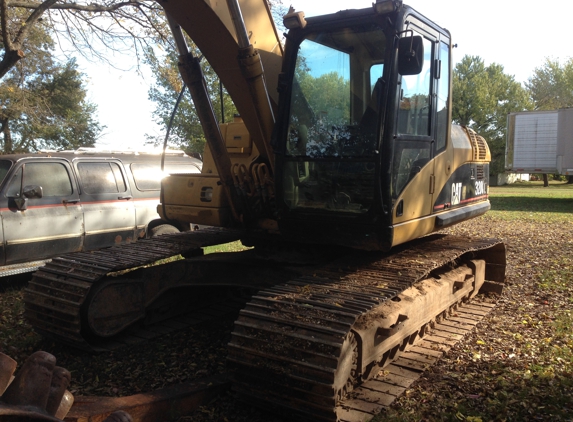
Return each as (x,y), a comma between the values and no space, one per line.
(212,25)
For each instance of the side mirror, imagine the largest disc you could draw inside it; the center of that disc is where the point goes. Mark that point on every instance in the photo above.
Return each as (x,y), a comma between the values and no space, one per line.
(410,55)
(32,191)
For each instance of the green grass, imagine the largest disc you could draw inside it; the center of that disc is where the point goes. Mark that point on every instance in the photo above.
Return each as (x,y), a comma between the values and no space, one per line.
(236,246)
(558,277)
(532,201)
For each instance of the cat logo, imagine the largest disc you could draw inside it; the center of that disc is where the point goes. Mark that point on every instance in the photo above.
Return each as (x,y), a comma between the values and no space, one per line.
(456,193)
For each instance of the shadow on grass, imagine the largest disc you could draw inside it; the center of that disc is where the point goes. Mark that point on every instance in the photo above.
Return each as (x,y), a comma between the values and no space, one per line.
(531,204)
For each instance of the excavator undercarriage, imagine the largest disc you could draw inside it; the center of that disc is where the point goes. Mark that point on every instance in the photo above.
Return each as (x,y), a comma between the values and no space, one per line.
(309,333)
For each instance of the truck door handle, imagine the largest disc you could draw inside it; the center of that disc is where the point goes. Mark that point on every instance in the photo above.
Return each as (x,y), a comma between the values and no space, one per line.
(127,198)
(71,201)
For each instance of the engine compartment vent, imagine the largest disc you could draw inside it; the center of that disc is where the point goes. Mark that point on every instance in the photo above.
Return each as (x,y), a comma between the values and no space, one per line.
(479,145)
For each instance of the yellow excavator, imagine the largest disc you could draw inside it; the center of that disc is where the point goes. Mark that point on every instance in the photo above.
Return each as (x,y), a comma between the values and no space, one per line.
(341,165)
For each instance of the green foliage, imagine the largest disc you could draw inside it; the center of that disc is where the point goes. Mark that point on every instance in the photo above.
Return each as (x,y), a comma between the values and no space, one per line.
(67,122)
(186,132)
(43,102)
(482,98)
(328,95)
(551,86)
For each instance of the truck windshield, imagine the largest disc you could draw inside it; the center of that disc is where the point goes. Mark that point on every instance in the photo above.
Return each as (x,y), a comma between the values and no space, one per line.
(4,168)
(332,135)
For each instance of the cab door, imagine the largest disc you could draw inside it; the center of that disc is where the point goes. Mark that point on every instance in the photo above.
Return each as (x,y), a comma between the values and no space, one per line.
(415,146)
(107,202)
(43,217)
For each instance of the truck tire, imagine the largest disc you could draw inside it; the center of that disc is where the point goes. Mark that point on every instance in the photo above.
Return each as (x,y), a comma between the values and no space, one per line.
(162,229)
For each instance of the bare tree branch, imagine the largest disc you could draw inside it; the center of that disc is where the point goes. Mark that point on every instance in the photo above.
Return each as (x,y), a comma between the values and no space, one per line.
(32,19)
(92,28)
(92,7)
(4,22)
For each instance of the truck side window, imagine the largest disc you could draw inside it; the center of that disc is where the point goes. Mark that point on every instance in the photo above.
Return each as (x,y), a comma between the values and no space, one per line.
(101,177)
(4,168)
(15,186)
(147,176)
(52,177)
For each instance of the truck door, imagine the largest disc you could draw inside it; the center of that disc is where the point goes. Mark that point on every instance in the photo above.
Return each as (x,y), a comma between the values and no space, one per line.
(5,166)
(109,214)
(43,217)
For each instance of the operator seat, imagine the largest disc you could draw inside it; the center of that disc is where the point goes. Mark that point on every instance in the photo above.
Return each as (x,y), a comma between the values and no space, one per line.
(369,119)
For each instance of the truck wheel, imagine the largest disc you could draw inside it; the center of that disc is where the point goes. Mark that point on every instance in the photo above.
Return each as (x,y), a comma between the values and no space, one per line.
(162,229)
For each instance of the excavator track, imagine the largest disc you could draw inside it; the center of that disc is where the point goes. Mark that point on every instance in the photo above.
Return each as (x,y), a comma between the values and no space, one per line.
(378,393)
(57,295)
(308,336)
(302,346)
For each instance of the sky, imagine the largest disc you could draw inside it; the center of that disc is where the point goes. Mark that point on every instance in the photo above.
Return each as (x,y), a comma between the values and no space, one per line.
(518,35)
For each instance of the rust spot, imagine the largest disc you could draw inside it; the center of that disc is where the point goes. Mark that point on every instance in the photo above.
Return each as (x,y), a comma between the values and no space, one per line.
(118,239)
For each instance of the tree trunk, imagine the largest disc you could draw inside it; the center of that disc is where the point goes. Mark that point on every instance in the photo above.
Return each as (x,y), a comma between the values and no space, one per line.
(570,180)
(545,180)
(9,61)
(5,129)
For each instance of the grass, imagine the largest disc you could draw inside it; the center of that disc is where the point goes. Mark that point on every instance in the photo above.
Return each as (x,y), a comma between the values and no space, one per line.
(558,277)
(236,246)
(531,201)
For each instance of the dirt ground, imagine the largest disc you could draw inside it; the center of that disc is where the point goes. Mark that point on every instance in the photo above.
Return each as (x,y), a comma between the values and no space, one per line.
(517,365)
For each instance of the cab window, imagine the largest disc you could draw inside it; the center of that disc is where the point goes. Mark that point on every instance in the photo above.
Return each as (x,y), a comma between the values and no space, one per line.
(415,98)
(442,100)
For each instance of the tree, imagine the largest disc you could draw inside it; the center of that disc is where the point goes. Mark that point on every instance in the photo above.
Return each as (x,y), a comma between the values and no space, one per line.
(551,86)
(483,96)
(43,104)
(87,25)
(186,132)
(328,94)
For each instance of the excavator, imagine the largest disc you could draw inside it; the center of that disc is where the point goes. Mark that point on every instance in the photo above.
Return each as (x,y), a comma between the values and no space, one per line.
(339,171)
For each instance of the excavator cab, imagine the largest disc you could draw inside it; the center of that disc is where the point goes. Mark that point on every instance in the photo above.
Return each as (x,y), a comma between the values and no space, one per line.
(356,150)
(360,95)
(331,138)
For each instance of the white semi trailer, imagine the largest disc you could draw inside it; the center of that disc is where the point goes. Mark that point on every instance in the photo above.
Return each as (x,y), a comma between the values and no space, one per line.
(540,142)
